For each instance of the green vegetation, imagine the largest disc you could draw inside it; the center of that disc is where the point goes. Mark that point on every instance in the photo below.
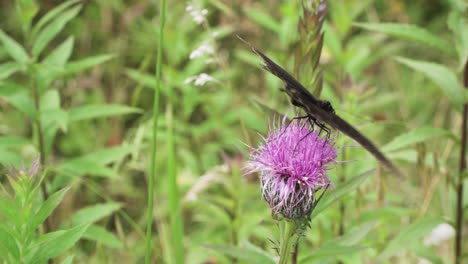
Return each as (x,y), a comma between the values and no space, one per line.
(81,87)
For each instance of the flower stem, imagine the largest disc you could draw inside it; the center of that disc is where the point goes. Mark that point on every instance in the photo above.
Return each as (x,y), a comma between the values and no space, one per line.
(40,136)
(149,221)
(288,239)
(459,216)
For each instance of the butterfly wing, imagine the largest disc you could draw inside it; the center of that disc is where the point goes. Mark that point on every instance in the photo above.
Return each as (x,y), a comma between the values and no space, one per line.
(302,98)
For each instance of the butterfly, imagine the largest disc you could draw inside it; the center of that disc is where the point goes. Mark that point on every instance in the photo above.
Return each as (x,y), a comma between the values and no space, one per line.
(321,112)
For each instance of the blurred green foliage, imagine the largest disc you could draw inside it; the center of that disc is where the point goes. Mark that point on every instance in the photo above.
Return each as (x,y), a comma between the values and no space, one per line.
(92,65)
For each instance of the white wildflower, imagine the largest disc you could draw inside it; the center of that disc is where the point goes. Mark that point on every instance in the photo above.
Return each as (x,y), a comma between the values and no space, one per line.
(200,79)
(204,48)
(197,15)
(439,234)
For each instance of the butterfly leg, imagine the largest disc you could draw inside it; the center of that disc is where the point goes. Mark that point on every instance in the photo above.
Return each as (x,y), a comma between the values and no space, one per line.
(312,121)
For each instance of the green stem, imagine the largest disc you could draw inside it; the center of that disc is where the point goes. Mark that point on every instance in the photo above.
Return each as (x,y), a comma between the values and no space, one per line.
(152,176)
(288,239)
(40,136)
(460,187)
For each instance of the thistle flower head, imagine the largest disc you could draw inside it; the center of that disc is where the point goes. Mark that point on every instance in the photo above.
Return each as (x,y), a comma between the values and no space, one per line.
(293,161)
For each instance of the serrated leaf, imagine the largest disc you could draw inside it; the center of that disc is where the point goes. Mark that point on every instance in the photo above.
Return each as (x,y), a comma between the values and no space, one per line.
(96,111)
(331,196)
(445,79)
(94,213)
(7,69)
(330,251)
(418,135)
(52,29)
(102,236)
(249,255)
(60,55)
(13,48)
(409,32)
(59,242)
(408,236)
(46,209)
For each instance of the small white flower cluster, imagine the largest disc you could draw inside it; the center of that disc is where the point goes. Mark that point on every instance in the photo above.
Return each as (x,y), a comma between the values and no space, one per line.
(204,48)
(197,15)
(200,79)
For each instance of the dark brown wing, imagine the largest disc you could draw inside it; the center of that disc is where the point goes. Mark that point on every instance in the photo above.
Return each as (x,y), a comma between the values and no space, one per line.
(294,89)
(314,107)
(338,123)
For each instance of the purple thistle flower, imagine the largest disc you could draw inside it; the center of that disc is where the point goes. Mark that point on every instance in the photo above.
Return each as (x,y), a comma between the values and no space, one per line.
(293,161)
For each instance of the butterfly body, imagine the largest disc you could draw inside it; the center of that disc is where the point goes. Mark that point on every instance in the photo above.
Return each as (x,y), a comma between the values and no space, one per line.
(321,112)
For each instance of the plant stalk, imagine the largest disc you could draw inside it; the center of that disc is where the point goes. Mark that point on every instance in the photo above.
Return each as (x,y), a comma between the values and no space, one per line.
(40,136)
(287,240)
(149,221)
(460,187)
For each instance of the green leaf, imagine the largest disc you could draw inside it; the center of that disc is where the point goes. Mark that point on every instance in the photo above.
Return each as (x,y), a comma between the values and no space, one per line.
(68,260)
(441,76)
(59,56)
(457,24)
(79,167)
(94,213)
(245,254)
(330,251)
(108,155)
(96,111)
(416,136)
(7,69)
(51,15)
(46,209)
(8,244)
(7,209)
(142,78)
(10,157)
(263,19)
(330,197)
(13,141)
(56,244)
(411,33)
(78,66)
(95,163)
(102,236)
(53,117)
(355,235)
(52,29)
(19,97)
(13,48)
(409,236)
